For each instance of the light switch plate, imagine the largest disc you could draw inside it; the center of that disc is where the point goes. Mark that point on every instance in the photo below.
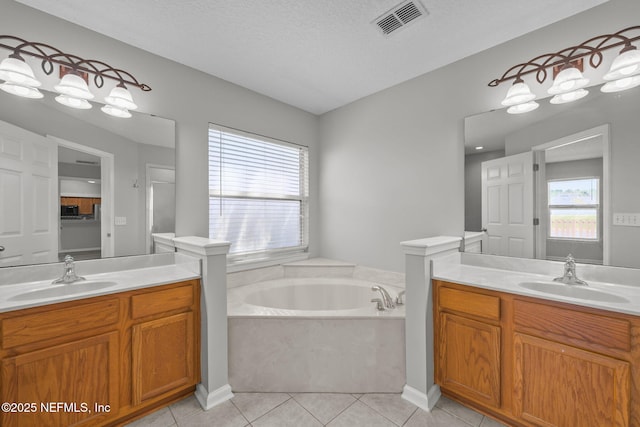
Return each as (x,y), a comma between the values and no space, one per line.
(121,220)
(626,219)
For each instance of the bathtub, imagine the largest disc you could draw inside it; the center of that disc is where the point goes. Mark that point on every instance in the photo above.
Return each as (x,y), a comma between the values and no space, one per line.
(314,335)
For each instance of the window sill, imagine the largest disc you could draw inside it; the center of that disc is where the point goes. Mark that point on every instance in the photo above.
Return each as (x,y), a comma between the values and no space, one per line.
(249,264)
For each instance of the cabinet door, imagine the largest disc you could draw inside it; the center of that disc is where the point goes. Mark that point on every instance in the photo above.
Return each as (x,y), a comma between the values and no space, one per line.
(85,206)
(163,356)
(469,358)
(70,384)
(559,385)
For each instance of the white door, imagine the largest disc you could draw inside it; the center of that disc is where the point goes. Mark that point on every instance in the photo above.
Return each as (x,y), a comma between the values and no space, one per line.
(29,205)
(507,205)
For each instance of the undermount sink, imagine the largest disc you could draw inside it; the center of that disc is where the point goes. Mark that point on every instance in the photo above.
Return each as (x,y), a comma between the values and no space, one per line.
(573,291)
(62,290)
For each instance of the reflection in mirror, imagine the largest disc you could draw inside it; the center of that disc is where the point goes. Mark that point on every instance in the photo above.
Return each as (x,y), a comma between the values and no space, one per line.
(80,182)
(581,198)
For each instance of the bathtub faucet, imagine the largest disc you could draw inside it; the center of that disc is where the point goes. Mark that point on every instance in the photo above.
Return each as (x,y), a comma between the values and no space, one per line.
(387,301)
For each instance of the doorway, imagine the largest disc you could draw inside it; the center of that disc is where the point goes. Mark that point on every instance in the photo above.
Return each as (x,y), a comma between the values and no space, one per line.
(573,197)
(160,201)
(106,190)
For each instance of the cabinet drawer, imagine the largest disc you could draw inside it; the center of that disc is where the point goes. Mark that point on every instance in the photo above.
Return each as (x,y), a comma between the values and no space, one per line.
(476,304)
(40,325)
(581,329)
(158,302)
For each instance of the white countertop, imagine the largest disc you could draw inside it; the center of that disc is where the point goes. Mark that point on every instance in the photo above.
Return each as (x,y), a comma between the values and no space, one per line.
(504,280)
(15,297)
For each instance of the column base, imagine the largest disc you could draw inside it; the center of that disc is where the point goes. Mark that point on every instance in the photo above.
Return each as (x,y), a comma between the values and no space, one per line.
(420,399)
(210,399)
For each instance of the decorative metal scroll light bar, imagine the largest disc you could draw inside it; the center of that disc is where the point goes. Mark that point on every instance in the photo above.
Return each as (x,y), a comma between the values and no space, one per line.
(73,90)
(569,83)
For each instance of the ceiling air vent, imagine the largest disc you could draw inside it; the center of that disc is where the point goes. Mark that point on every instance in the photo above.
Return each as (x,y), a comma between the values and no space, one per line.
(399,16)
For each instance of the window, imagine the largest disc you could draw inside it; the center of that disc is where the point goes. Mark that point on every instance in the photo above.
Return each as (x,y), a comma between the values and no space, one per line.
(258,191)
(574,208)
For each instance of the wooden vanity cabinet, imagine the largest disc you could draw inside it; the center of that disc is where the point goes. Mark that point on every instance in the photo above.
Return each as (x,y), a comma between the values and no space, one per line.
(99,361)
(469,340)
(559,364)
(163,350)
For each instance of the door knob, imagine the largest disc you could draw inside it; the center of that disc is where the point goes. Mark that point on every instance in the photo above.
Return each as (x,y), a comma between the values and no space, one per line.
(1,248)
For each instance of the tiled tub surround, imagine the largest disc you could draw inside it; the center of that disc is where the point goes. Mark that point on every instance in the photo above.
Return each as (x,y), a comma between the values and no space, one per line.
(310,327)
(505,273)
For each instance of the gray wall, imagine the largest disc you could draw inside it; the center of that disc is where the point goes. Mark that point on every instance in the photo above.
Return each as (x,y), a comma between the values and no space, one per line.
(79,235)
(80,171)
(582,250)
(473,188)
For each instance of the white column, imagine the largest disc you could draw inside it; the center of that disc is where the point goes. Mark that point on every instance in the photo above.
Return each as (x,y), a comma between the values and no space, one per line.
(421,389)
(214,386)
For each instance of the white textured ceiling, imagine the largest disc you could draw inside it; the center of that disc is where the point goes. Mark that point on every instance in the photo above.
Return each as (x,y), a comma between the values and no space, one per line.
(313,54)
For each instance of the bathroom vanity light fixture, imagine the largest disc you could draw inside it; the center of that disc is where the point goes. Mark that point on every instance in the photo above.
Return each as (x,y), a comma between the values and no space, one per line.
(568,82)
(73,89)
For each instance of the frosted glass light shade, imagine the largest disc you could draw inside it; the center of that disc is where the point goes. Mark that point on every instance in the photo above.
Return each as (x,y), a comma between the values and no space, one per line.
(523,108)
(566,97)
(23,91)
(621,84)
(626,64)
(73,86)
(568,80)
(115,111)
(120,97)
(70,101)
(16,71)
(519,93)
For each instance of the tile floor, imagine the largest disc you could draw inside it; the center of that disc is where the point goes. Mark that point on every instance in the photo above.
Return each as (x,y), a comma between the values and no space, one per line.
(314,409)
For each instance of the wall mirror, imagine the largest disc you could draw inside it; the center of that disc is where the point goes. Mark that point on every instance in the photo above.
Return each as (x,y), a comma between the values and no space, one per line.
(581,198)
(80,182)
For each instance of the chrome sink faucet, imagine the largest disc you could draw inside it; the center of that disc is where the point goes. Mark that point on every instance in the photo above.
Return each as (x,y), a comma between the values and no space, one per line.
(69,275)
(569,277)
(386,302)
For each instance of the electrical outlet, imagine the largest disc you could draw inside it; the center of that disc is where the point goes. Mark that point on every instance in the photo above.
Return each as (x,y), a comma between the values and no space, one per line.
(626,219)
(121,220)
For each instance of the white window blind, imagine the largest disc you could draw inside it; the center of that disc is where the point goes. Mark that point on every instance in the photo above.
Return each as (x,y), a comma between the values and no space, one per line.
(258,191)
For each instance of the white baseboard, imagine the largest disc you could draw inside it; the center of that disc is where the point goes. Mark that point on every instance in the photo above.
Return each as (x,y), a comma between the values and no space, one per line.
(210,399)
(421,400)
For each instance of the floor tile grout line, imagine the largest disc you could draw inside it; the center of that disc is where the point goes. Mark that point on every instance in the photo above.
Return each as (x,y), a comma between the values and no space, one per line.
(270,410)
(383,416)
(175,420)
(241,413)
(460,418)
(308,411)
(339,413)
(412,414)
